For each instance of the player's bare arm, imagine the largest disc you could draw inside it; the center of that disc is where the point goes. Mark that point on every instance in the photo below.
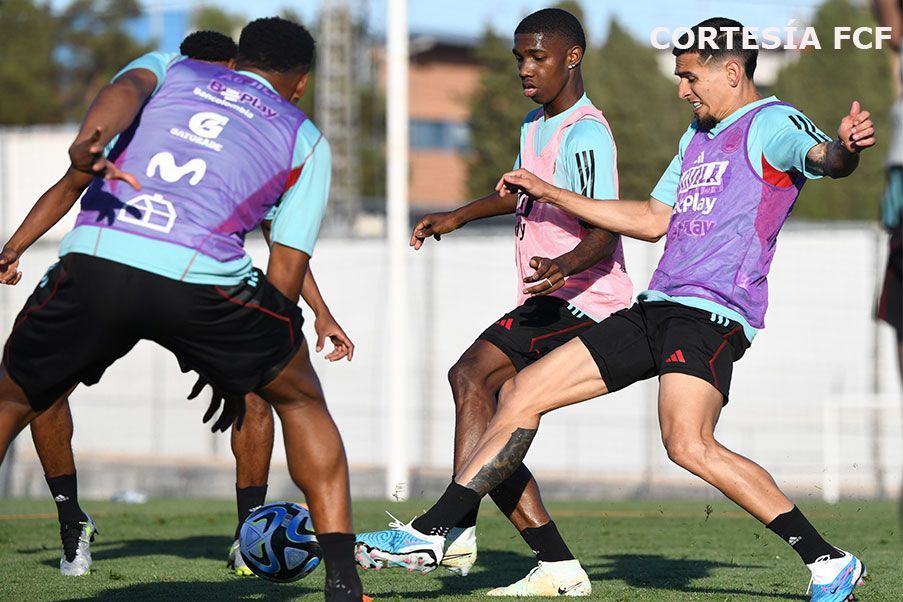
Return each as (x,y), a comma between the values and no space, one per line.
(644,220)
(550,274)
(839,158)
(114,108)
(325,325)
(437,224)
(46,212)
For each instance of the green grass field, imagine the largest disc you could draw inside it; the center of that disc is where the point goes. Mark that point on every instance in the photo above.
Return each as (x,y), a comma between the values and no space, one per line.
(655,551)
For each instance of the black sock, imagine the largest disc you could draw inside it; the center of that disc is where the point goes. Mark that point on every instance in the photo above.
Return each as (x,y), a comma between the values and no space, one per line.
(470,519)
(546,543)
(342,581)
(793,528)
(64,490)
(454,505)
(248,499)
(507,494)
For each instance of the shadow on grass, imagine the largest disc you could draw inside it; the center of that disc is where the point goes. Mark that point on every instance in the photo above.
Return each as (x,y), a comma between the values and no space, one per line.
(645,571)
(208,547)
(239,589)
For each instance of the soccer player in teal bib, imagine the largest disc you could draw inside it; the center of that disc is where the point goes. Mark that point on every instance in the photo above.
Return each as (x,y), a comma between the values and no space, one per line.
(215,153)
(569,276)
(251,445)
(721,202)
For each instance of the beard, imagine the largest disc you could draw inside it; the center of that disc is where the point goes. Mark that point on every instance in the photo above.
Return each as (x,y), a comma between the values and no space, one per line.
(706,123)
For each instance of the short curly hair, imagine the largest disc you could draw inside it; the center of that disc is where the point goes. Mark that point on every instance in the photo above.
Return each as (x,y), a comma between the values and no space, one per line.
(556,22)
(210,46)
(276,45)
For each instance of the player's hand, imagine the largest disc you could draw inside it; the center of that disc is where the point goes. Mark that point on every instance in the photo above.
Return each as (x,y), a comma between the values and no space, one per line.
(550,275)
(327,328)
(856,131)
(233,407)
(435,225)
(523,181)
(87,156)
(9,267)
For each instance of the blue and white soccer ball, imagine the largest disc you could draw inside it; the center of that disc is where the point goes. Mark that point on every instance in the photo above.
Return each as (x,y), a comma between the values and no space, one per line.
(278,543)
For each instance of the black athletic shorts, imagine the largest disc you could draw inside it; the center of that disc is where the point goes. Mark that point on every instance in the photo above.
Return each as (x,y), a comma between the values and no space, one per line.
(530,331)
(654,338)
(88,312)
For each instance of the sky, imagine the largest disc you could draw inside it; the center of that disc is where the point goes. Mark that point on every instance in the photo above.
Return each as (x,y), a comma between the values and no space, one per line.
(471,17)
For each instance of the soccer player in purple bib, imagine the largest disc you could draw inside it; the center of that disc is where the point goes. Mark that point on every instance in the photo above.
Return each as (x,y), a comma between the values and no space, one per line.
(214,153)
(252,445)
(721,202)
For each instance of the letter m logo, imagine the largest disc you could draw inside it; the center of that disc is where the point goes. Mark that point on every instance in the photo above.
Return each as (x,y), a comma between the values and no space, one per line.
(165,163)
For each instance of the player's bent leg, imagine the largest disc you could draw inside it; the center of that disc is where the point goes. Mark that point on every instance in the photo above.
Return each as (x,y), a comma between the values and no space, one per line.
(252,446)
(317,464)
(689,408)
(15,411)
(475,380)
(51,432)
(566,376)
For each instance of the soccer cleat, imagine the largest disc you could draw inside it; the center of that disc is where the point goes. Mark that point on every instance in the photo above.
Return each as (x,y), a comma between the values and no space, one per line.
(461,554)
(236,563)
(401,545)
(75,557)
(834,579)
(565,578)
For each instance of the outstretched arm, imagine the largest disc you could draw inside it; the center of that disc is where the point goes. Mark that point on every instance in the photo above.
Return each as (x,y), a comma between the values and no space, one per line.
(839,158)
(114,108)
(46,212)
(437,224)
(645,220)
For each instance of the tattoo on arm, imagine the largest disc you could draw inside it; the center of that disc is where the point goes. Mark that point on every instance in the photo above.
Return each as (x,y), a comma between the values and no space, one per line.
(504,463)
(831,159)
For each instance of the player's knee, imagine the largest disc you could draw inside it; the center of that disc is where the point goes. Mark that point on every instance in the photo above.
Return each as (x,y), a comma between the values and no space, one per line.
(257,409)
(513,400)
(465,379)
(687,451)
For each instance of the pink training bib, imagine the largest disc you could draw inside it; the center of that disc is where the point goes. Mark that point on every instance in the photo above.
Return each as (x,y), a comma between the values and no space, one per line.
(543,230)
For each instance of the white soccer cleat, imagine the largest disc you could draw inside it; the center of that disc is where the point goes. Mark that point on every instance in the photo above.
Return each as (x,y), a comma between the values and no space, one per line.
(236,563)
(400,545)
(834,579)
(75,556)
(461,553)
(564,578)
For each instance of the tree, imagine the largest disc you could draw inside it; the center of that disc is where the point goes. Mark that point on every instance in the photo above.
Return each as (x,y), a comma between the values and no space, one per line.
(822,84)
(28,34)
(647,119)
(211,18)
(94,46)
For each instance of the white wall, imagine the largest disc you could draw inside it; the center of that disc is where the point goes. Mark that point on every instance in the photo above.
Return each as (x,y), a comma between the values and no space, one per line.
(820,343)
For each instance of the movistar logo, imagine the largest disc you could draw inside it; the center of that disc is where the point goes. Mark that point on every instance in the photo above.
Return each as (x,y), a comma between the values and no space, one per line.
(169,170)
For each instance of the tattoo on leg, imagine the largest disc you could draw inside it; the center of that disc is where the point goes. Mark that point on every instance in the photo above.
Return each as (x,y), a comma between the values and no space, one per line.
(504,463)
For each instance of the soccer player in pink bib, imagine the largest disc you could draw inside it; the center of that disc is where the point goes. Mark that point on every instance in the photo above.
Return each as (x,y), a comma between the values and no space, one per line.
(569,276)
(721,203)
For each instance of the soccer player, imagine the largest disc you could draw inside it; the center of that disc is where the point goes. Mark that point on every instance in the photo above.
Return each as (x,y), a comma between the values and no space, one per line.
(890,301)
(252,445)
(213,153)
(570,276)
(721,202)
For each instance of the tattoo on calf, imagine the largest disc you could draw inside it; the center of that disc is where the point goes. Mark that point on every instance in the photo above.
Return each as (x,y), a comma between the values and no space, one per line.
(504,463)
